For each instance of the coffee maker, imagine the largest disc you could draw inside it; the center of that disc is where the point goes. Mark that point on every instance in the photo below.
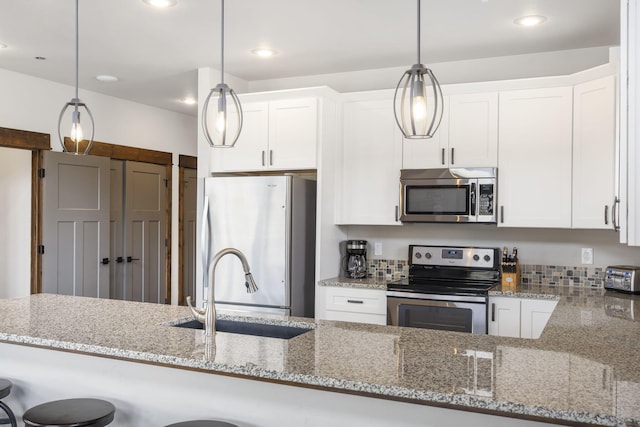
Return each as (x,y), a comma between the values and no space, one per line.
(354,262)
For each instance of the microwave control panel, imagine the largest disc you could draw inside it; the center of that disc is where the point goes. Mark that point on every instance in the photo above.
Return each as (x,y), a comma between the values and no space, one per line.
(485,199)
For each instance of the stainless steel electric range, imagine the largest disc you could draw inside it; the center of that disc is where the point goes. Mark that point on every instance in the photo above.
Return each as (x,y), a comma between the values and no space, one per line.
(447,288)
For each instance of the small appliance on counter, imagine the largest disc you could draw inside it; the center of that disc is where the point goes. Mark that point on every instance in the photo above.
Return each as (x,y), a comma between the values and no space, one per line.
(624,278)
(354,263)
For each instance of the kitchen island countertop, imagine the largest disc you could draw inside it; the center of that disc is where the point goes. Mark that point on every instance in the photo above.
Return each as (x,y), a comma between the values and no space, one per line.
(588,334)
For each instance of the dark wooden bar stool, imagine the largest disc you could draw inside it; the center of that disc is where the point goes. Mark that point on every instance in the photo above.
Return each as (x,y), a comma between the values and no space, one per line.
(5,389)
(202,423)
(70,413)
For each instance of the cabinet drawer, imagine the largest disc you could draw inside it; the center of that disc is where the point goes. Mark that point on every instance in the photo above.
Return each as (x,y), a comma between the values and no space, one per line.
(371,301)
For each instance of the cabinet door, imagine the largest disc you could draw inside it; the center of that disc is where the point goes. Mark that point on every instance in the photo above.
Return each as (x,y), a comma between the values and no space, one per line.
(504,317)
(594,146)
(428,153)
(372,152)
(534,158)
(250,151)
(293,133)
(473,130)
(535,314)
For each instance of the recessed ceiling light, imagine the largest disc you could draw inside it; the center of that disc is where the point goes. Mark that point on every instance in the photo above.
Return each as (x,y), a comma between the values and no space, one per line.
(530,20)
(106,78)
(3,46)
(161,4)
(264,52)
(189,100)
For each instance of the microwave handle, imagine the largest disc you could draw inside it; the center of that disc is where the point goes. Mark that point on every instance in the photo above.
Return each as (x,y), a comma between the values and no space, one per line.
(472,196)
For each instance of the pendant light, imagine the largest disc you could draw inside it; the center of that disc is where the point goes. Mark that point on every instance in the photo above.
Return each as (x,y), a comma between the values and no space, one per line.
(418,103)
(222,125)
(78,110)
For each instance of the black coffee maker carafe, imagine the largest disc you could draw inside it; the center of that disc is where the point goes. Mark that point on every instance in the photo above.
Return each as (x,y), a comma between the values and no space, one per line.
(354,262)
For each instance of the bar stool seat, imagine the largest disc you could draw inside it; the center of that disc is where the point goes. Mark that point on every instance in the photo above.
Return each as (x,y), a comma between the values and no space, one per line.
(5,389)
(202,423)
(70,413)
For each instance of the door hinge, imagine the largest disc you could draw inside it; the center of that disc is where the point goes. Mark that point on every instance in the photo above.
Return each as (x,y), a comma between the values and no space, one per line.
(40,172)
(40,249)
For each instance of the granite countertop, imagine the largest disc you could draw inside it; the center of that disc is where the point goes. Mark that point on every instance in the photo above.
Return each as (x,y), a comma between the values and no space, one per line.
(583,369)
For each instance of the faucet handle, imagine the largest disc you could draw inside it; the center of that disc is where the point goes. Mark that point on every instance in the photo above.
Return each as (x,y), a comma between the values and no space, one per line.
(199,314)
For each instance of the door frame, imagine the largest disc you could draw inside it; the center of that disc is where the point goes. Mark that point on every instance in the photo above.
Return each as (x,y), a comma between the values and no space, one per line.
(38,142)
(184,162)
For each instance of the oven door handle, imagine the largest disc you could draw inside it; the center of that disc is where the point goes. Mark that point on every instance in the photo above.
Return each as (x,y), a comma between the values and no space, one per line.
(437,297)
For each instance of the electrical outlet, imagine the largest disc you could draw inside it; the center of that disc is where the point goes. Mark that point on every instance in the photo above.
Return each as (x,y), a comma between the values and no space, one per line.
(587,255)
(377,248)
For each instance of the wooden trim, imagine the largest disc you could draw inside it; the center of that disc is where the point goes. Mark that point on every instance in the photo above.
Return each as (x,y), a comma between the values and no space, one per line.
(123,152)
(36,221)
(189,162)
(168,235)
(181,235)
(14,138)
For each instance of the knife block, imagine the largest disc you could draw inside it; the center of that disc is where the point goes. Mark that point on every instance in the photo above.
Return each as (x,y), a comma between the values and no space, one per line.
(511,279)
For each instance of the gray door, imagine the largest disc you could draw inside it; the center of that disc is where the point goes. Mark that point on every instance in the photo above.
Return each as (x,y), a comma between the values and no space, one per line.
(189,234)
(116,230)
(75,219)
(145,231)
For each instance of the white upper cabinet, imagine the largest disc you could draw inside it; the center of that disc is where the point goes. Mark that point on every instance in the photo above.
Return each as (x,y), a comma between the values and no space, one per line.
(372,157)
(534,166)
(467,137)
(276,135)
(594,149)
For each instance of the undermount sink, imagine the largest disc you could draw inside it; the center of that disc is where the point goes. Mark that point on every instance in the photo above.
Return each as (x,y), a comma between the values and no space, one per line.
(250,328)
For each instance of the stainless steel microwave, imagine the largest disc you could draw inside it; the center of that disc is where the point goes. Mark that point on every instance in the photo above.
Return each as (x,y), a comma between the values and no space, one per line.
(448,195)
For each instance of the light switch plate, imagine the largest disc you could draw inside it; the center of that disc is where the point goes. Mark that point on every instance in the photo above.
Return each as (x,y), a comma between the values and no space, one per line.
(587,255)
(377,248)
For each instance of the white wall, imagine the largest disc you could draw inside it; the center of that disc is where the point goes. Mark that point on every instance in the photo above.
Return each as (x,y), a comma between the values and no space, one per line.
(33,104)
(476,70)
(535,246)
(15,232)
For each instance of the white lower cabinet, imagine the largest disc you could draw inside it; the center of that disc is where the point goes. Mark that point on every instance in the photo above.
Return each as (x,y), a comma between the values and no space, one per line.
(519,317)
(354,305)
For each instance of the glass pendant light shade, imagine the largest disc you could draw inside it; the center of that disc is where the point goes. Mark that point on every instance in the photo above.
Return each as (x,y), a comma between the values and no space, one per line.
(222,112)
(76,118)
(418,102)
(222,117)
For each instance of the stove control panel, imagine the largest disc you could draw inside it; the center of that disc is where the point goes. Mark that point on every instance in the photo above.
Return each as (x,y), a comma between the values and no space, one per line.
(453,256)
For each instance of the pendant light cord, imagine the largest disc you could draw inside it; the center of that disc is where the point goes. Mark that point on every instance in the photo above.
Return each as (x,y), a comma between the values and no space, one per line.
(77,50)
(222,42)
(418,32)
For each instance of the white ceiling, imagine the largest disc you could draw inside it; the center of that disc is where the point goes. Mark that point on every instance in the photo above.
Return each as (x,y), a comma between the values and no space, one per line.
(156,53)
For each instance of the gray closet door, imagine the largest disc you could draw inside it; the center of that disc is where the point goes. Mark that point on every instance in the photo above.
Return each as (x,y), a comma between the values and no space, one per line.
(145,230)
(75,219)
(189,234)
(116,230)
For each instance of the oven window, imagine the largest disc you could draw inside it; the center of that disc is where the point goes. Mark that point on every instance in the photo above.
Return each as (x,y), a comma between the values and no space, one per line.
(437,200)
(431,317)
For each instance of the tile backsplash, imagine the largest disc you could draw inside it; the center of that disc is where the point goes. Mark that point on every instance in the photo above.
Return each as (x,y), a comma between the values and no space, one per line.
(553,275)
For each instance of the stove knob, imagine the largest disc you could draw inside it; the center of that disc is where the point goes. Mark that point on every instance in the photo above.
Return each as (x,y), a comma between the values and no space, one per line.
(418,255)
(427,255)
(487,258)
(476,257)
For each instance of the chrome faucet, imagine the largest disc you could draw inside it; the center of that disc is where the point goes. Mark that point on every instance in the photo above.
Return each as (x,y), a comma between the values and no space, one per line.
(208,315)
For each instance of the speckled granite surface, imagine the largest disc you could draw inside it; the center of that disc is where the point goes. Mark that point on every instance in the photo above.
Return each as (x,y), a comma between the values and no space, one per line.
(583,369)
(345,282)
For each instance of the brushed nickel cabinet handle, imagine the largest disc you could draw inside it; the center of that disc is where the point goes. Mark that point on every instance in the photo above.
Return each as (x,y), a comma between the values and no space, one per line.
(452,161)
(355,301)
(443,156)
(502,214)
(270,157)
(606,215)
(493,311)
(397,209)
(263,158)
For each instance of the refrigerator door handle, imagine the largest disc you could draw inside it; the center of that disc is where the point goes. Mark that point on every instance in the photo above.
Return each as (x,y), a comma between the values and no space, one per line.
(205,242)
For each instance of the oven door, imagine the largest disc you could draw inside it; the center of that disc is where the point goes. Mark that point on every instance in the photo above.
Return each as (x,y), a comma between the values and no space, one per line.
(467,314)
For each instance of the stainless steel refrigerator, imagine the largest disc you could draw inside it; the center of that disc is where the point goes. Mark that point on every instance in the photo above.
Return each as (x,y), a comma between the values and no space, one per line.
(271,219)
